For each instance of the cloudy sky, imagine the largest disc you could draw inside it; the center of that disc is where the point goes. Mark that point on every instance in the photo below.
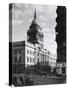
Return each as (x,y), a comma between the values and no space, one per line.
(22,16)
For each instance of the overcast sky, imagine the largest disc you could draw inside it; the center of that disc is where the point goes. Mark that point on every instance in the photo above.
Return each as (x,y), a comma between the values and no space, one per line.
(22,17)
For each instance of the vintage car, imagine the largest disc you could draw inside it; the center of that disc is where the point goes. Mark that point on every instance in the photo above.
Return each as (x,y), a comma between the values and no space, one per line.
(29,80)
(20,80)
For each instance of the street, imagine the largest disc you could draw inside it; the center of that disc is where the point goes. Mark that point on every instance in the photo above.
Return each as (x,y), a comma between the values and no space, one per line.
(41,80)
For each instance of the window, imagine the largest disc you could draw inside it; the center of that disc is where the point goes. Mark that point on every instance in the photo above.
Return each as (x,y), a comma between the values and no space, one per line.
(43,58)
(19,59)
(30,59)
(15,59)
(19,51)
(27,59)
(27,51)
(30,52)
(33,53)
(38,54)
(33,60)
(63,70)
(40,38)
(15,52)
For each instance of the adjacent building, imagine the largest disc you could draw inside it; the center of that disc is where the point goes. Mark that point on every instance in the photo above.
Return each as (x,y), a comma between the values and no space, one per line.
(61,39)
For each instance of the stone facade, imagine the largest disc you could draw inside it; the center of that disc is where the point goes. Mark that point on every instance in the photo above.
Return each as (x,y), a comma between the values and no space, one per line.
(31,51)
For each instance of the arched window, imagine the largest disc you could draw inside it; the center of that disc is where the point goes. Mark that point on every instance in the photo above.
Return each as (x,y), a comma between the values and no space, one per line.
(15,59)
(19,51)
(15,52)
(30,59)
(27,51)
(27,59)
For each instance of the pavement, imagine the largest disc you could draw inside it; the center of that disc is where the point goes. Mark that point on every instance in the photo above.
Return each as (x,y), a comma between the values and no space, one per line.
(43,80)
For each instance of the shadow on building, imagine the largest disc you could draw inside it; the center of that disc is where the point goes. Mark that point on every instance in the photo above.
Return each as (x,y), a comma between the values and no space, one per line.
(61,40)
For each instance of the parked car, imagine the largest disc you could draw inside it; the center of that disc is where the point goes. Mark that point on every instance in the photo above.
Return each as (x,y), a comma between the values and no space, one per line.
(18,81)
(43,73)
(28,80)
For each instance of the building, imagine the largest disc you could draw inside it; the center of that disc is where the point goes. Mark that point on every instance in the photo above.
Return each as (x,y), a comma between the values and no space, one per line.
(61,39)
(27,54)
(52,60)
(31,51)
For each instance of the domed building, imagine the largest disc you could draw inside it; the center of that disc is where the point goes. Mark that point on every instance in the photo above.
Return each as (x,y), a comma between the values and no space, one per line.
(31,51)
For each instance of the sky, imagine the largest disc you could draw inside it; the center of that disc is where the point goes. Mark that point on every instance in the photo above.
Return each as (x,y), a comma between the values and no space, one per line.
(22,16)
